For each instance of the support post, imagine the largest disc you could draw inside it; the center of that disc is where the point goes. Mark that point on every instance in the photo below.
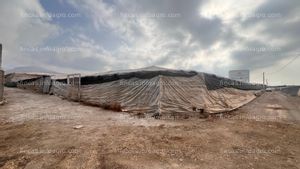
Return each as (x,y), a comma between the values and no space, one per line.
(264,80)
(1,77)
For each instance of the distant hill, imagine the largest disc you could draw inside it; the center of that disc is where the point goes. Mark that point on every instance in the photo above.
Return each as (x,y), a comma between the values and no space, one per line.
(30,69)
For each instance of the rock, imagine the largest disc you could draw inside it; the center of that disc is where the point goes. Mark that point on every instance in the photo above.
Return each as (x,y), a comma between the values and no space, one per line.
(78,127)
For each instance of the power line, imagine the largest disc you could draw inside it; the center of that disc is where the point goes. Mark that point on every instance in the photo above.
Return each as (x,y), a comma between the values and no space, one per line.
(284,66)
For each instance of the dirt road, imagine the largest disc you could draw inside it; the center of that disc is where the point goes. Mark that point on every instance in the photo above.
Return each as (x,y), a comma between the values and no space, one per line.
(37,131)
(273,106)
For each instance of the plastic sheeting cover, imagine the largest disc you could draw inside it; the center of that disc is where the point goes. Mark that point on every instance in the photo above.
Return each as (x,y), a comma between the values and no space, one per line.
(166,95)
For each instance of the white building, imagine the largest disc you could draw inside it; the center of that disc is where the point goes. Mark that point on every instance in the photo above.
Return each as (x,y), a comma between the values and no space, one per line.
(240,75)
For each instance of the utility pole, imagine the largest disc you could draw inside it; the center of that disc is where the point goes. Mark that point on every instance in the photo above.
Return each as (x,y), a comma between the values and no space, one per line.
(263,80)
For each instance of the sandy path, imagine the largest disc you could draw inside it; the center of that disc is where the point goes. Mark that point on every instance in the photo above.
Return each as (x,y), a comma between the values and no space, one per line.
(273,106)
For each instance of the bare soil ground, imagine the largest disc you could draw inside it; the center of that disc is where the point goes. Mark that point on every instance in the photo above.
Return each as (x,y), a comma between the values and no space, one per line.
(39,131)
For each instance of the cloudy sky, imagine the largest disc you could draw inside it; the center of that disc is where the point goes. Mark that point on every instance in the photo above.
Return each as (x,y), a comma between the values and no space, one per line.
(102,35)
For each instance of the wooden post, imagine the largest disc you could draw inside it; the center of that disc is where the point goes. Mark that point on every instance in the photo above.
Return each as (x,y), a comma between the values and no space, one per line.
(79,86)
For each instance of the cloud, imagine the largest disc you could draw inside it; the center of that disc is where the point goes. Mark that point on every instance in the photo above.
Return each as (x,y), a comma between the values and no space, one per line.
(168,33)
(122,34)
(274,26)
(19,29)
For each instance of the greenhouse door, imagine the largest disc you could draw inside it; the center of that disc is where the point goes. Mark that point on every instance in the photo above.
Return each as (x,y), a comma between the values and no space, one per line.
(74,84)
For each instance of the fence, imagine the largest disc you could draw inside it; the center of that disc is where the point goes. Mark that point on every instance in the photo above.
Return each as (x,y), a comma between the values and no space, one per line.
(39,84)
